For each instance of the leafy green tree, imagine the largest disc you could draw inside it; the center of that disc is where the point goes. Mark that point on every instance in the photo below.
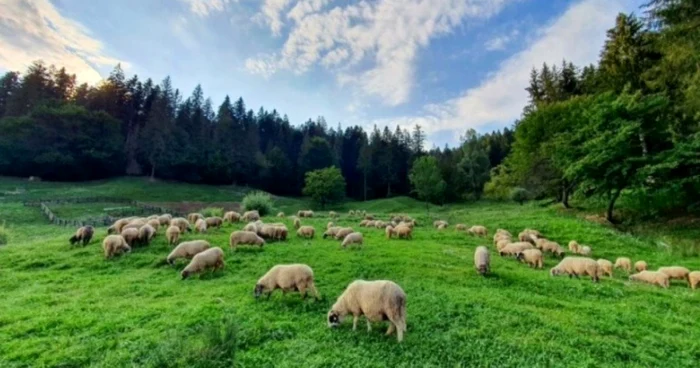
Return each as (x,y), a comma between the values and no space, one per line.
(474,164)
(325,185)
(427,181)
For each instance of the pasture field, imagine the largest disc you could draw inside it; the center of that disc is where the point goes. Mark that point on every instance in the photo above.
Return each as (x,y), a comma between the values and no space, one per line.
(66,306)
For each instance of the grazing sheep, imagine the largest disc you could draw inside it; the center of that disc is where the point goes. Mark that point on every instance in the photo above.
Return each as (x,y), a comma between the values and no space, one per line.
(694,279)
(306,232)
(343,232)
(371,223)
(250,216)
(624,263)
(267,231)
(651,277)
(297,223)
(330,224)
(232,216)
(478,230)
(292,277)
(574,247)
(376,300)
(352,238)
(379,224)
(214,221)
(172,234)
(389,231)
(131,236)
(576,266)
(331,231)
(155,223)
(549,246)
(146,234)
(164,219)
(368,216)
(364,223)
(527,237)
(605,267)
(152,217)
(200,226)
(181,223)
(403,232)
(503,243)
(442,227)
(83,234)
(640,266)
(437,223)
(188,250)
(305,213)
(586,251)
(251,227)
(210,258)
(115,244)
(532,257)
(332,214)
(193,217)
(532,232)
(461,227)
(512,249)
(117,226)
(675,272)
(482,260)
(280,214)
(280,232)
(245,237)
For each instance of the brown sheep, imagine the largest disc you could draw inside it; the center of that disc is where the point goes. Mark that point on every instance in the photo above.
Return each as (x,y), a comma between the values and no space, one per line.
(83,234)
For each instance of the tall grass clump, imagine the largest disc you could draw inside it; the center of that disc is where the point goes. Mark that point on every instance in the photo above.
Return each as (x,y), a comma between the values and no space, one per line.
(519,195)
(212,211)
(260,201)
(4,234)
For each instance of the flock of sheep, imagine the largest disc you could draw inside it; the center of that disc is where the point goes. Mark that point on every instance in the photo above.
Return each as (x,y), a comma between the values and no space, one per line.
(376,300)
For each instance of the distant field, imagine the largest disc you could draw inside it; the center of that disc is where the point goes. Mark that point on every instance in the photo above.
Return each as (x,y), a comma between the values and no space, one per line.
(66,306)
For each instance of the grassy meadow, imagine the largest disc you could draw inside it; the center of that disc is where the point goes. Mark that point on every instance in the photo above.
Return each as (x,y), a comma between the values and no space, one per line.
(66,306)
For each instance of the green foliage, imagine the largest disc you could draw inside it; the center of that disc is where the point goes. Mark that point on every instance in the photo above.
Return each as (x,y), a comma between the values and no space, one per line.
(474,165)
(316,154)
(325,185)
(499,185)
(519,195)
(212,212)
(426,180)
(4,234)
(260,201)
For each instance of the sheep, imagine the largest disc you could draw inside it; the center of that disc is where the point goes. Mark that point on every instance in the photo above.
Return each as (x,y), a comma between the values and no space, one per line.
(442,226)
(155,224)
(389,231)
(351,213)
(409,224)
(461,227)
(232,216)
(182,223)
(297,223)
(83,234)
(292,277)
(250,216)
(624,263)
(146,234)
(117,226)
(501,236)
(331,231)
(135,224)
(193,217)
(306,232)
(172,234)
(187,250)
(280,214)
(250,227)
(640,266)
(245,237)
(131,236)
(376,300)
(532,232)
(527,237)
(332,214)
(532,257)
(364,223)
(576,266)
(330,224)
(164,219)
(503,243)
(379,224)
(200,226)
(675,272)
(694,279)
(115,244)
(403,232)
(267,231)
(546,245)
(210,258)
(367,216)
(437,223)
(482,260)
(214,221)
(352,238)
(651,277)
(305,213)
(574,247)
(478,230)
(371,223)
(280,232)
(152,217)
(585,250)
(343,232)
(512,249)
(605,267)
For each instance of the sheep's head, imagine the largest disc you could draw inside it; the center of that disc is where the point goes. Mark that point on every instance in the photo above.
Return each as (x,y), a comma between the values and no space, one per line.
(334,318)
(259,288)
(555,271)
(520,256)
(185,274)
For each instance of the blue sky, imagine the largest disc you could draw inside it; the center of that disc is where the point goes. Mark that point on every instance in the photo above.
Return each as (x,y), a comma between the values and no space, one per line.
(448,65)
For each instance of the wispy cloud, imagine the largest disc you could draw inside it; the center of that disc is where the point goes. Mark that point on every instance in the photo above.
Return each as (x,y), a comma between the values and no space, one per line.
(500,42)
(205,7)
(33,29)
(370,45)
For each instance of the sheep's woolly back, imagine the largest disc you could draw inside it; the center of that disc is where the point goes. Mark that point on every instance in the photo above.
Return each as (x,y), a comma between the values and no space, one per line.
(164,219)
(651,277)
(172,234)
(188,249)
(131,235)
(251,216)
(512,249)
(675,272)
(214,221)
(114,244)
(532,257)
(577,266)
(180,222)
(352,238)
(343,232)
(210,258)
(640,266)
(624,263)
(288,278)
(245,237)
(461,227)
(482,260)
(478,230)
(306,232)
(201,226)
(403,232)
(146,234)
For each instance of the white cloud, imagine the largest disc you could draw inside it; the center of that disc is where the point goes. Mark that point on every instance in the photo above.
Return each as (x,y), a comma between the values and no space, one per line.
(577,35)
(371,45)
(33,30)
(205,7)
(500,42)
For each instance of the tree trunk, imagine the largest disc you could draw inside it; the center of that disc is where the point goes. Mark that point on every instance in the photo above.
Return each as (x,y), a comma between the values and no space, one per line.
(565,197)
(611,204)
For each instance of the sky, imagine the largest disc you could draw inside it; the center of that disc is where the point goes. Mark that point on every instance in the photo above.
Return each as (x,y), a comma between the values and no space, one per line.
(448,65)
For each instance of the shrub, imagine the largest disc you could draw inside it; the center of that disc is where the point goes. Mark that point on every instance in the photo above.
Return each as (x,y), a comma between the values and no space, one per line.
(212,211)
(260,201)
(519,195)
(4,234)
(325,185)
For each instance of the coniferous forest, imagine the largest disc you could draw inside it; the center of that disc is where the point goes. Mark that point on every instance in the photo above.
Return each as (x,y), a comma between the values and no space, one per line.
(627,126)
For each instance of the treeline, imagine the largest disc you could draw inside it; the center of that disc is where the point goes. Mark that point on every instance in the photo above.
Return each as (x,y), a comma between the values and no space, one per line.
(628,126)
(58,130)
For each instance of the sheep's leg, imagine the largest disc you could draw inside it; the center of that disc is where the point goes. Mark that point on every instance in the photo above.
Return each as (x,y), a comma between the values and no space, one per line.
(302,291)
(369,325)
(354,322)
(391,329)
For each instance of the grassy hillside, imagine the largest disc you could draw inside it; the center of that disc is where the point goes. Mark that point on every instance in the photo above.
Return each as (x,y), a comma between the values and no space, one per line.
(67,306)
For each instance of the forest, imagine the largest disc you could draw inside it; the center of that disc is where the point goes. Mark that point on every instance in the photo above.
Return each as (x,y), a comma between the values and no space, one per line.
(627,126)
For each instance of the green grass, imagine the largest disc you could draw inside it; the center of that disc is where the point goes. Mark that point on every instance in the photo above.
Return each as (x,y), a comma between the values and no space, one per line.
(66,306)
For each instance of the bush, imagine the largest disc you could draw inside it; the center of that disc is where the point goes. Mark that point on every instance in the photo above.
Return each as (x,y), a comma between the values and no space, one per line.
(519,195)
(325,185)
(212,211)
(4,234)
(260,201)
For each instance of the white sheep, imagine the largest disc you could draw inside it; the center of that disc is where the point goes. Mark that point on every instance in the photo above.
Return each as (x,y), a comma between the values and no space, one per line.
(376,300)
(232,216)
(292,277)
(343,232)
(694,279)
(214,221)
(182,223)
(146,234)
(640,266)
(624,263)
(131,235)
(331,232)
(172,234)
(306,232)
(210,258)
(574,247)
(675,272)
(533,257)
(605,267)
(164,219)
(245,237)
(512,249)
(200,226)
(188,250)
(576,266)
(482,260)
(478,230)
(461,227)
(651,277)
(250,216)
(115,244)
(352,238)
(193,217)
(585,251)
